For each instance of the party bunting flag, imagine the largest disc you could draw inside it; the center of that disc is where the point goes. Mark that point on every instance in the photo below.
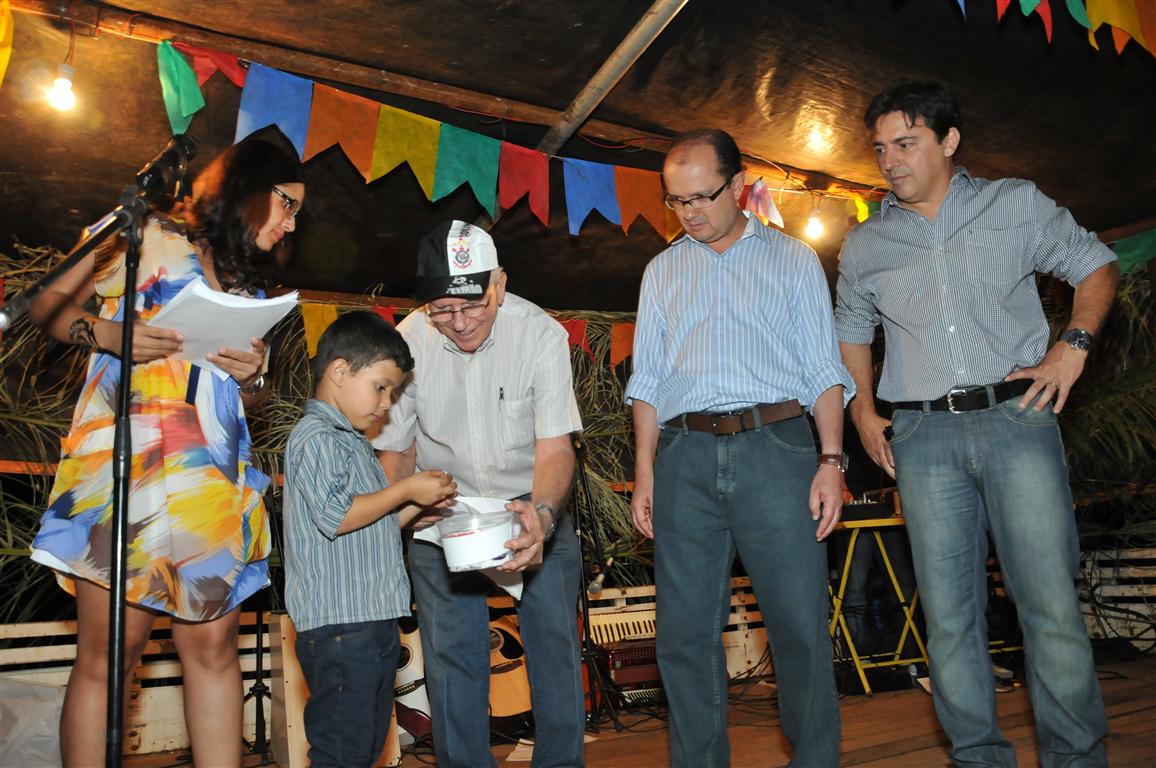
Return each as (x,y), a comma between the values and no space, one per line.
(206,61)
(345,119)
(1135,251)
(179,87)
(524,171)
(1001,7)
(1079,12)
(576,331)
(962,9)
(640,194)
(761,202)
(1124,18)
(862,212)
(403,137)
(389,314)
(1146,13)
(317,317)
(7,28)
(621,342)
(467,157)
(1027,6)
(589,187)
(273,97)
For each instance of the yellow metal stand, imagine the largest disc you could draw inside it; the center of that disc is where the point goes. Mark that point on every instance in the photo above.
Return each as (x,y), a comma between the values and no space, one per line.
(839,622)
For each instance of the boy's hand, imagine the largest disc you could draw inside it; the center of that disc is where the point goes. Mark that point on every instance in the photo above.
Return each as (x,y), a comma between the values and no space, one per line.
(434,487)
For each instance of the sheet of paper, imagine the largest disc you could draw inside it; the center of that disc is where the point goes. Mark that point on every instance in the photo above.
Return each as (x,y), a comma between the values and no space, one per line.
(511,581)
(210,320)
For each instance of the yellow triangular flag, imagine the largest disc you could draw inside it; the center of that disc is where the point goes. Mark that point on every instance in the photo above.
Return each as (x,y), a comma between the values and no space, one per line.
(317,318)
(7,26)
(403,137)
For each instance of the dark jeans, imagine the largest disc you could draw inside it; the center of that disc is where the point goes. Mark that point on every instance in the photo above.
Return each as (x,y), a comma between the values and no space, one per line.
(713,495)
(455,637)
(350,670)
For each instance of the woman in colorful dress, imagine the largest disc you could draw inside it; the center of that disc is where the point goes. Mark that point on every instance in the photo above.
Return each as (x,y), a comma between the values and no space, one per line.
(198,536)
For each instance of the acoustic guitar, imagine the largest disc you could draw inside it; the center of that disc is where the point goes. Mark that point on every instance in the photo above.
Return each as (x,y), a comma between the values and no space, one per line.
(509,681)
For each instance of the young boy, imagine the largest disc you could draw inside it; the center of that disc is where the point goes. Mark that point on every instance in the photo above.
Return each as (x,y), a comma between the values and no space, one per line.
(345,583)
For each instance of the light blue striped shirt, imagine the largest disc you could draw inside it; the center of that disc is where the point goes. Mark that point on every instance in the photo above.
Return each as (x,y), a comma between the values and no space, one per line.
(957,296)
(725,331)
(330,579)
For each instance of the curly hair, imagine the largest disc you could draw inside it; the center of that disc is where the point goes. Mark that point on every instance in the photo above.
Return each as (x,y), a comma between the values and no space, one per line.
(231,200)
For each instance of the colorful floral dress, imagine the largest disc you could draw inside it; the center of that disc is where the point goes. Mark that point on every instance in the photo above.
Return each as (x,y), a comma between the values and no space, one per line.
(198,534)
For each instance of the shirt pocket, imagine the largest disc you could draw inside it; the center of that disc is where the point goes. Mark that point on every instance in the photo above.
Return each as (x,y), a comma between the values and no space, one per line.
(517,418)
(999,257)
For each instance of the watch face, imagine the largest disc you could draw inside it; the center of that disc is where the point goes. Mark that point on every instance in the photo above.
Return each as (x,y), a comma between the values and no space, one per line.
(1077,339)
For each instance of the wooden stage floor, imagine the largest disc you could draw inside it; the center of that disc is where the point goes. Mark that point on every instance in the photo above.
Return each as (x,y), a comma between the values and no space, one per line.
(893,730)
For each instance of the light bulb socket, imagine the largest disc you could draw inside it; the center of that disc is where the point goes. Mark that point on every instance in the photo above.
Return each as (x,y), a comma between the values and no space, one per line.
(65,72)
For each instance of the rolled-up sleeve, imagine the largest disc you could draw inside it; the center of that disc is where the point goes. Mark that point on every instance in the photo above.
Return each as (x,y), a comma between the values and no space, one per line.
(814,338)
(1062,247)
(650,360)
(855,315)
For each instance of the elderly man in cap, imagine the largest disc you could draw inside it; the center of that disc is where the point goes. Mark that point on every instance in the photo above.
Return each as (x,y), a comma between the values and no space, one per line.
(492,402)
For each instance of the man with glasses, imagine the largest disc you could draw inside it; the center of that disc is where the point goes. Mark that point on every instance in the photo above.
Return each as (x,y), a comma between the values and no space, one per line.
(492,402)
(734,340)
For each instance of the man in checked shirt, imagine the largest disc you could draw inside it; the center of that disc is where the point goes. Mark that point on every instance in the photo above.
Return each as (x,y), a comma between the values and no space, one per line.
(948,267)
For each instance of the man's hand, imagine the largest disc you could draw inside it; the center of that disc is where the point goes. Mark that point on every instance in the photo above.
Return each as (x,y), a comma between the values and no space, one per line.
(642,505)
(826,500)
(870,427)
(530,544)
(1053,378)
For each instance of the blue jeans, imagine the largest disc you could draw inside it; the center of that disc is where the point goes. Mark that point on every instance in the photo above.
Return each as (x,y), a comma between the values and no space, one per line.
(350,670)
(713,495)
(454,621)
(999,471)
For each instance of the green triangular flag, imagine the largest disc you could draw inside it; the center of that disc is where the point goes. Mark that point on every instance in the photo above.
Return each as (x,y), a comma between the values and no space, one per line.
(465,156)
(178,86)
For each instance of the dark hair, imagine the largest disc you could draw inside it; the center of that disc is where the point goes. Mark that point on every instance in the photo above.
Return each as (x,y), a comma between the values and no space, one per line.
(231,204)
(726,152)
(360,338)
(934,102)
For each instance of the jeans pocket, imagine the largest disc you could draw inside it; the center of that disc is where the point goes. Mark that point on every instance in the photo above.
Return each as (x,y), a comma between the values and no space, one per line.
(792,435)
(1028,417)
(667,437)
(904,422)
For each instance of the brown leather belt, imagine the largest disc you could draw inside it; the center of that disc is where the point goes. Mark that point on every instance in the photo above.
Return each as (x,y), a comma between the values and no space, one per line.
(734,422)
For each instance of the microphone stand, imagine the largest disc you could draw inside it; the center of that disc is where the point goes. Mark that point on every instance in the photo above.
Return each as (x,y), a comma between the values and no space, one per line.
(593,656)
(127,218)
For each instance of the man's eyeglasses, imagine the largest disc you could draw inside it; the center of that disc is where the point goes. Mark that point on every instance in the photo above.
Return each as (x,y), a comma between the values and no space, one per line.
(292,204)
(473,310)
(698,201)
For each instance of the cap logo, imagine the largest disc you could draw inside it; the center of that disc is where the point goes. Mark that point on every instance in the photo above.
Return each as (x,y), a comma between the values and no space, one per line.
(460,252)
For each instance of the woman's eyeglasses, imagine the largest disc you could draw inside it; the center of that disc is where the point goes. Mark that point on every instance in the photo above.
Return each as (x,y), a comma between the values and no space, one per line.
(292,204)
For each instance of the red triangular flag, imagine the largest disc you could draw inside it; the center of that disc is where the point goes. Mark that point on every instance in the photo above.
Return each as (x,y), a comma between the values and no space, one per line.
(524,171)
(1001,8)
(388,313)
(1045,12)
(576,330)
(206,61)
(621,342)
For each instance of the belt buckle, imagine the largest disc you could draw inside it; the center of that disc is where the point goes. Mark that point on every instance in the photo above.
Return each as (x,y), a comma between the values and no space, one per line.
(714,423)
(951,398)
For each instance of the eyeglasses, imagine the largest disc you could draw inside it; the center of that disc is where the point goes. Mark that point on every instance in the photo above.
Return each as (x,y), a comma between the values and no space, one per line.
(697,202)
(292,204)
(473,310)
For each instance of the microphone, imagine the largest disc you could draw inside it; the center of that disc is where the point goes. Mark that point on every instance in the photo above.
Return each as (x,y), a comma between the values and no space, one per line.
(595,586)
(162,179)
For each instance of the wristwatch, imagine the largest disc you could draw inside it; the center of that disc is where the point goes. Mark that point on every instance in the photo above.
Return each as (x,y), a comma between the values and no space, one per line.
(254,388)
(839,460)
(553,517)
(1077,338)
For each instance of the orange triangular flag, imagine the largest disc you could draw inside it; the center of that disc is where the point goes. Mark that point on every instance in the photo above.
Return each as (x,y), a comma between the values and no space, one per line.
(640,194)
(621,342)
(346,119)
(576,330)
(524,171)
(317,317)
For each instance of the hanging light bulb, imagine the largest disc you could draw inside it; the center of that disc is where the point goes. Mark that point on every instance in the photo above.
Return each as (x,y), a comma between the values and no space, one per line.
(814,227)
(60,95)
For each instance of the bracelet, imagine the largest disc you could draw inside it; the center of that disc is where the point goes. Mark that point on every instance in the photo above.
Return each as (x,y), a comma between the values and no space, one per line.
(254,388)
(553,517)
(834,459)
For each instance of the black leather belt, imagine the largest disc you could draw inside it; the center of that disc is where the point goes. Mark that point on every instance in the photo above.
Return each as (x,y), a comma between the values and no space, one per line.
(962,399)
(734,422)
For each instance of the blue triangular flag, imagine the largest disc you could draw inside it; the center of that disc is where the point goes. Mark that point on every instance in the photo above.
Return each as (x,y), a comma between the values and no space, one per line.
(273,97)
(589,186)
